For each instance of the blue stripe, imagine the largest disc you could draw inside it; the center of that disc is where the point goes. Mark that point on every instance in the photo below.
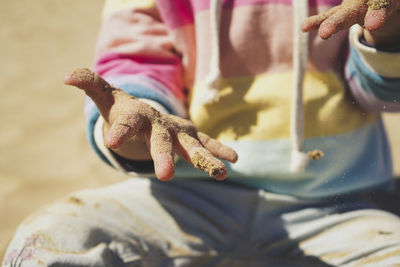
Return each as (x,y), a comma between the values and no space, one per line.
(353,162)
(142,92)
(386,89)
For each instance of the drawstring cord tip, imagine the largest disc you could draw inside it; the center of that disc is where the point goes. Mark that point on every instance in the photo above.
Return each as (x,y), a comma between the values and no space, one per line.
(209,95)
(210,92)
(298,161)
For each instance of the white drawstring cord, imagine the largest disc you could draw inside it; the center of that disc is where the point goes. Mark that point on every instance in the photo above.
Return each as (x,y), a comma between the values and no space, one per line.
(299,158)
(210,93)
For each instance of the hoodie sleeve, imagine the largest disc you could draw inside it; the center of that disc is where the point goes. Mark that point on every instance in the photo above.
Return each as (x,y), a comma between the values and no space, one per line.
(134,52)
(373,75)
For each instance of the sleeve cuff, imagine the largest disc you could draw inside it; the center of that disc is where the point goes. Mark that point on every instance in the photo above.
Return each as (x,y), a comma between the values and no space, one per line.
(98,141)
(386,64)
(141,86)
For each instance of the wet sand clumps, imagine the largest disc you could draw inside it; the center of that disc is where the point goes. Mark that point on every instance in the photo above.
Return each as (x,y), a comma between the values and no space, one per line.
(201,163)
(315,154)
(378,4)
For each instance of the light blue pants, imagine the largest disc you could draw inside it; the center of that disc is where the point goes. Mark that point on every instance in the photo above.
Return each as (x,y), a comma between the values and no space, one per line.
(142,222)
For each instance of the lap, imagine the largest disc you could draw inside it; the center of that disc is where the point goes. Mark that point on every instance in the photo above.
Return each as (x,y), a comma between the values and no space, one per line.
(192,223)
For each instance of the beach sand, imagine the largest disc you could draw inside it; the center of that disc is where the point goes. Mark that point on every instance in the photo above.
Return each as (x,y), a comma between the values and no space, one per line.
(44,153)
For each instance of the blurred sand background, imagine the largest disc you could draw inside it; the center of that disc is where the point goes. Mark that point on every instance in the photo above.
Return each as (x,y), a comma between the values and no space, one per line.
(44,153)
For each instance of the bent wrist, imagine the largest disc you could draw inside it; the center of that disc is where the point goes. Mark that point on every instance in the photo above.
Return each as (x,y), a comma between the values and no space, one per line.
(386,37)
(382,40)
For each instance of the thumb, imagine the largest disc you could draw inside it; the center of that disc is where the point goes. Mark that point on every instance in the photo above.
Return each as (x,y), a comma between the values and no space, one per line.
(121,130)
(94,86)
(117,135)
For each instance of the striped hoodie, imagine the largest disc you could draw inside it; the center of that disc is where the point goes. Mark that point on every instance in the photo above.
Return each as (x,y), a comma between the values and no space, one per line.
(160,51)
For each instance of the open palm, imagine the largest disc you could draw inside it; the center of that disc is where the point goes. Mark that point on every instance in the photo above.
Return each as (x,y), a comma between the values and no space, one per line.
(128,118)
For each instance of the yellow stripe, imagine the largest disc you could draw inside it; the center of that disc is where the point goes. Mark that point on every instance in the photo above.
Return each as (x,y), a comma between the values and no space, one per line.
(111,6)
(258,108)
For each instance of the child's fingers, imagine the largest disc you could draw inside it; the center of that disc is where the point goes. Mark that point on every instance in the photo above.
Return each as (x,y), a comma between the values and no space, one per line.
(201,158)
(313,22)
(94,86)
(219,150)
(344,18)
(161,150)
(375,19)
(121,130)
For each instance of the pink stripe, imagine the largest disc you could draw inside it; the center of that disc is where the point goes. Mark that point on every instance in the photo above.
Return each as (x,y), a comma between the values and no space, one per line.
(317,3)
(176,13)
(167,71)
(201,5)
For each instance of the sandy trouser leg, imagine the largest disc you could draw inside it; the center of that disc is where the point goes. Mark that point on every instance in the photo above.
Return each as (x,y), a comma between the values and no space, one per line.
(120,225)
(364,237)
(139,222)
(346,232)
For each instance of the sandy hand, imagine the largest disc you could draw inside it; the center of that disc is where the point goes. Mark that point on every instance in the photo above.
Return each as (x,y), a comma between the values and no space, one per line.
(128,118)
(372,14)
